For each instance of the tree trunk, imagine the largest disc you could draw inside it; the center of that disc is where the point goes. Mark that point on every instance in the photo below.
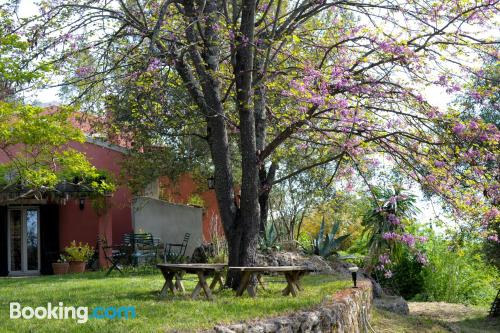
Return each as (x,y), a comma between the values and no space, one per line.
(243,231)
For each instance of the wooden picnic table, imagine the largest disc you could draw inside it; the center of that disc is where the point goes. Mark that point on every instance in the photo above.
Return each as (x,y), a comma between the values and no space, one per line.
(171,271)
(293,274)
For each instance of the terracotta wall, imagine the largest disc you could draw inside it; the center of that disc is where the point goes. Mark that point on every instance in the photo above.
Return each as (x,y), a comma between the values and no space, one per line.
(83,224)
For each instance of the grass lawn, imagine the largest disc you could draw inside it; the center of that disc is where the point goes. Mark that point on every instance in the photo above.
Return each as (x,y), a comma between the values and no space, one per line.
(140,289)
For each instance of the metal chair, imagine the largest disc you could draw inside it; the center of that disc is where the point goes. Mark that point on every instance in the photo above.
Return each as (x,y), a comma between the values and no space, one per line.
(112,254)
(174,252)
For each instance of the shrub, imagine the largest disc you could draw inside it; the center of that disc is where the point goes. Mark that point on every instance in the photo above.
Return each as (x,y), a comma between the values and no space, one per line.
(407,279)
(458,275)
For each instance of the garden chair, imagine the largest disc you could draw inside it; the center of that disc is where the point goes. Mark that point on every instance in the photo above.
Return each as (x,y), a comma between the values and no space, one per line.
(113,255)
(141,247)
(174,252)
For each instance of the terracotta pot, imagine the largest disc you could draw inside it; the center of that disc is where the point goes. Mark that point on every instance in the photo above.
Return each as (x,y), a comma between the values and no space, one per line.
(77,266)
(60,268)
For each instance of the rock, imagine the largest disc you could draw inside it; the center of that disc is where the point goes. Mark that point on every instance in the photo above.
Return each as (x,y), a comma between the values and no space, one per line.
(378,291)
(222,329)
(340,266)
(395,304)
(282,258)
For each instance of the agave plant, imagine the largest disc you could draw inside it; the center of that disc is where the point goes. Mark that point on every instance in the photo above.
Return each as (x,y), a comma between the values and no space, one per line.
(325,244)
(269,238)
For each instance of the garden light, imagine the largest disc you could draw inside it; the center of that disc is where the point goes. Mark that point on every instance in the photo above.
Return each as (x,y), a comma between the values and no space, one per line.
(354,272)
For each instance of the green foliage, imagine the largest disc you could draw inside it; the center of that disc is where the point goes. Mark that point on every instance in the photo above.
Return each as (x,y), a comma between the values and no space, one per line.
(16,68)
(407,279)
(80,252)
(325,244)
(345,207)
(35,141)
(304,240)
(458,275)
(196,200)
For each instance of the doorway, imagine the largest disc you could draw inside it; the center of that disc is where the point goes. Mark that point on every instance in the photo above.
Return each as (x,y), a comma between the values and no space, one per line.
(23,231)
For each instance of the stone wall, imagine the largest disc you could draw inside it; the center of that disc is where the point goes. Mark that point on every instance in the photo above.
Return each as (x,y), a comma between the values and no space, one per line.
(347,311)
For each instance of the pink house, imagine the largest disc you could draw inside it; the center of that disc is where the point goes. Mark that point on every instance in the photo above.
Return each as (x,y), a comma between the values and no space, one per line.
(34,232)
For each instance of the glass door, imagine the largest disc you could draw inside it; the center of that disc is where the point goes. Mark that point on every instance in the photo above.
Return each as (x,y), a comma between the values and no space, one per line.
(24,241)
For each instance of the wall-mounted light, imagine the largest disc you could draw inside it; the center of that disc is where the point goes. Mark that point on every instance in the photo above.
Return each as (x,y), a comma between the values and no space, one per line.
(354,272)
(82,203)
(211,183)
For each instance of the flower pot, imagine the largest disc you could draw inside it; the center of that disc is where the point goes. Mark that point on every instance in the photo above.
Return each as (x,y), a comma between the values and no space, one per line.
(60,268)
(77,266)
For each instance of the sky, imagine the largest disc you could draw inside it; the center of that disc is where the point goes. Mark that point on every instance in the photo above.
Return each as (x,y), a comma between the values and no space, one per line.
(435,95)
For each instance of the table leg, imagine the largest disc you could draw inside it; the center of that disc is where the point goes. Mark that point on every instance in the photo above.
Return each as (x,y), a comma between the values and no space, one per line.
(206,289)
(292,286)
(245,279)
(251,289)
(196,291)
(168,284)
(217,279)
(296,278)
(178,282)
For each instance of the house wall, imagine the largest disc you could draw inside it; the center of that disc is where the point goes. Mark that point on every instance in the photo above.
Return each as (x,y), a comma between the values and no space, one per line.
(83,225)
(168,221)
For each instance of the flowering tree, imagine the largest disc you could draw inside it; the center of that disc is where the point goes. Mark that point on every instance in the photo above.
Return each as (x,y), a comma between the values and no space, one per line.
(338,83)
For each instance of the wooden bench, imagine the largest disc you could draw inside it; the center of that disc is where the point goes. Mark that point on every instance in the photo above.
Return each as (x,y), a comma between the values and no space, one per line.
(293,274)
(171,271)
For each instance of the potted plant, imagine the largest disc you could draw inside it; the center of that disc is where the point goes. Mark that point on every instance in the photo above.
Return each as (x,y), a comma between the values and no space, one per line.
(61,266)
(78,255)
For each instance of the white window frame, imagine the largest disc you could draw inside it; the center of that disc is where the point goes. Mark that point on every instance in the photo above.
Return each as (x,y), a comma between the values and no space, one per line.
(24,247)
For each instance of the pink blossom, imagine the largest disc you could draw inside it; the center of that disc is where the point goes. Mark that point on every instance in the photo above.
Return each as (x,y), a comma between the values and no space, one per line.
(393,219)
(422,259)
(493,238)
(388,274)
(154,64)
(390,236)
(492,214)
(473,125)
(384,259)
(84,71)
(422,239)
(439,164)
(476,96)
(458,128)
(408,239)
